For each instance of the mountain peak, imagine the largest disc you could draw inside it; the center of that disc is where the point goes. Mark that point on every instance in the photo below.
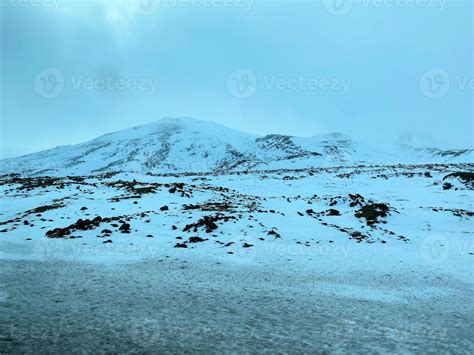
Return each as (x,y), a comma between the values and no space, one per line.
(184,144)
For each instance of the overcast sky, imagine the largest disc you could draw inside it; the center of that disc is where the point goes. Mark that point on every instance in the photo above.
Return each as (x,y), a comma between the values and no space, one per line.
(378,70)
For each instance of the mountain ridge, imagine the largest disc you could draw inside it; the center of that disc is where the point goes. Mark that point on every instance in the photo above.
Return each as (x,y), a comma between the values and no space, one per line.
(188,145)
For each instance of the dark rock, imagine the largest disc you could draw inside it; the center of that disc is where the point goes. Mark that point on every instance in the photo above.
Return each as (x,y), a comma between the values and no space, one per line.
(58,233)
(447,186)
(208,222)
(372,211)
(274,233)
(356,200)
(124,227)
(196,240)
(358,236)
(466,178)
(333,212)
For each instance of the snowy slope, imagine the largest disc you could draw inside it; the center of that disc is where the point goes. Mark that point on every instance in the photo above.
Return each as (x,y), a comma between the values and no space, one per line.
(189,145)
(325,217)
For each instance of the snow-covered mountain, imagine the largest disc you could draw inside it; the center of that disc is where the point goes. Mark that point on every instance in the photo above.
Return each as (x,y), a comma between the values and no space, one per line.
(189,145)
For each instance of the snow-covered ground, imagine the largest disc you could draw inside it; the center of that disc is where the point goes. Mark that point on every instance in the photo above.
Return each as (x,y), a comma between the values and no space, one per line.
(376,258)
